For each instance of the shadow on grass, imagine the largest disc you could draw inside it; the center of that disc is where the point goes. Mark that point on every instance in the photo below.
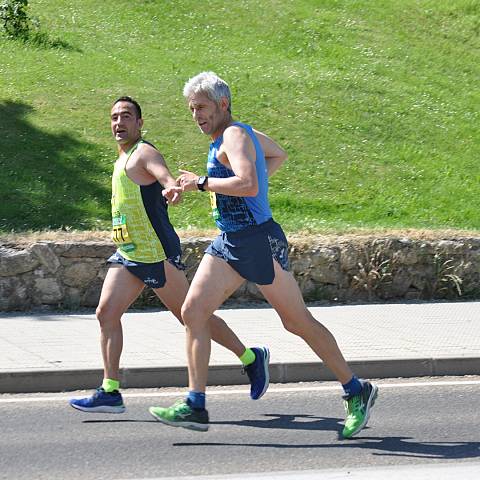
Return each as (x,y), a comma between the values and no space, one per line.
(41,39)
(49,180)
(38,38)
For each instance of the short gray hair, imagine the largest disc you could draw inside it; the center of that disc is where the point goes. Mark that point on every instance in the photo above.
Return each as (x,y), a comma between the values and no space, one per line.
(211,85)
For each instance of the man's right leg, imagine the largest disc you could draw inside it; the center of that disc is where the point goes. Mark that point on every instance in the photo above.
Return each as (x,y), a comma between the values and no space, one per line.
(213,283)
(119,291)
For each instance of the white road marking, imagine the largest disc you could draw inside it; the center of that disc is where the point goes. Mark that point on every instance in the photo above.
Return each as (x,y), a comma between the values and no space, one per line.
(178,393)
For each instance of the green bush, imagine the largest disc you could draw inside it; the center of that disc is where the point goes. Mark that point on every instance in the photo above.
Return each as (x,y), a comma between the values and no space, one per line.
(13,14)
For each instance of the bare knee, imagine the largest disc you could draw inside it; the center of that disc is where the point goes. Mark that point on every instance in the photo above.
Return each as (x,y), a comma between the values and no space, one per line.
(291,326)
(107,316)
(193,314)
(298,324)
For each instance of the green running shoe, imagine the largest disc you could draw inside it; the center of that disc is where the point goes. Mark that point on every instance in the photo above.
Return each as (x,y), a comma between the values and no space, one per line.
(358,409)
(180,414)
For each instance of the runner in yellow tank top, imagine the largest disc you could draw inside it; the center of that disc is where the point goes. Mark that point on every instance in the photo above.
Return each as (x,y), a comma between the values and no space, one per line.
(132,211)
(148,253)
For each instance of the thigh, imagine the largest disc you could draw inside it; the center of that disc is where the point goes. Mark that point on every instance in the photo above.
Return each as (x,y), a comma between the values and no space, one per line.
(120,289)
(173,293)
(213,283)
(284,294)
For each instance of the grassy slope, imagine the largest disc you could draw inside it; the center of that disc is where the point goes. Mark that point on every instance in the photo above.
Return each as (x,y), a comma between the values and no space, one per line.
(377,104)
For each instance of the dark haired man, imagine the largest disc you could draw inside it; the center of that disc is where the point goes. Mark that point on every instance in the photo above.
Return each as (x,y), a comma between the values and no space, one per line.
(148,253)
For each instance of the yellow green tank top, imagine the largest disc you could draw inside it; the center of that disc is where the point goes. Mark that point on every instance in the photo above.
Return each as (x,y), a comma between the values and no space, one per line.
(141,228)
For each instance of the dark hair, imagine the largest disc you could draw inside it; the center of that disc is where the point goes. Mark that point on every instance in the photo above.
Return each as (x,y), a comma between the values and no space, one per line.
(138,109)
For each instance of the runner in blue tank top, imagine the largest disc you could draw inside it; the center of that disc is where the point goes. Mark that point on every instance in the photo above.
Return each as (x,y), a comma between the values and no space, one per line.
(251,246)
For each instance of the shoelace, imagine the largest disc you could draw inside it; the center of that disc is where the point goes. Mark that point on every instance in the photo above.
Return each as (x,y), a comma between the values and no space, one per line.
(182,409)
(354,404)
(97,393)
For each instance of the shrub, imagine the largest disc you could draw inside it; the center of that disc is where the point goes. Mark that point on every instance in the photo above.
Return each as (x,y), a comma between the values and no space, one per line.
(13,14)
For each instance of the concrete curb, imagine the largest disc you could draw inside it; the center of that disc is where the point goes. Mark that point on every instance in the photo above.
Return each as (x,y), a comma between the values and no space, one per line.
(154,377)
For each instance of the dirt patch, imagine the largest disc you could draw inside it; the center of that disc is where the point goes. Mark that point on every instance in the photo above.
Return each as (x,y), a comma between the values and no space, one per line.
(329,237)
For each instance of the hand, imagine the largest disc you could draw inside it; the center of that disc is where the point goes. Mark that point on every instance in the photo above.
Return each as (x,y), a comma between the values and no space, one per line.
(173,194)
(187,180)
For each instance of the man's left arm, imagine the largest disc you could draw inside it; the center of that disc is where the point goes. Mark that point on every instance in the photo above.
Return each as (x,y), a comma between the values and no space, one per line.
(274,154)
(154,163)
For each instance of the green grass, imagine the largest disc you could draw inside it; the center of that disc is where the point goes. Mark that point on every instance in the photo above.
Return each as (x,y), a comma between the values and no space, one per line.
(377,103)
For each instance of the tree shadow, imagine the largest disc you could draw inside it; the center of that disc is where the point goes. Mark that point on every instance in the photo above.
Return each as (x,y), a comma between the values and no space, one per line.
(49,180)
(42,39)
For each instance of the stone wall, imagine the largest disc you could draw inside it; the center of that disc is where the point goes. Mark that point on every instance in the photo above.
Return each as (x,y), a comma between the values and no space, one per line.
(69,275)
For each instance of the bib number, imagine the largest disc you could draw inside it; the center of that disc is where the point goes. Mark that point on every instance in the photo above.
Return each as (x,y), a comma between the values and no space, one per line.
(120,234)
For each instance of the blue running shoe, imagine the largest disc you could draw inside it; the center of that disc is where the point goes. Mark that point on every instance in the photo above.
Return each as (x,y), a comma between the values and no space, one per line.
(100,402)
(258,373)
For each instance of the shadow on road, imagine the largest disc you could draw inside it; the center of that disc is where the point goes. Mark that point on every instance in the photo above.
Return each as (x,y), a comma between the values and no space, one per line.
(290,422)
(390,446)
(126,420)
(380,446)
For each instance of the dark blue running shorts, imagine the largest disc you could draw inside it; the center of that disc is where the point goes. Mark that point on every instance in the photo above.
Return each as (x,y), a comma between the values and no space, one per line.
(250,252)
(151,274)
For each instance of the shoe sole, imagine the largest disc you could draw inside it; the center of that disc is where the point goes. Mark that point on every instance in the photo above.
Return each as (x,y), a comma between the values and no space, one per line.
(102,409)
(371,402)
(198,427)
(266,364)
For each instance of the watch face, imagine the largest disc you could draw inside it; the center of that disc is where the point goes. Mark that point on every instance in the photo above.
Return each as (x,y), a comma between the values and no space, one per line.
(201,183)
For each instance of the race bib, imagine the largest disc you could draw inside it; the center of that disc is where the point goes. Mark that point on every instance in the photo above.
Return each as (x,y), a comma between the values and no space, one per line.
(120,234)
(213,204)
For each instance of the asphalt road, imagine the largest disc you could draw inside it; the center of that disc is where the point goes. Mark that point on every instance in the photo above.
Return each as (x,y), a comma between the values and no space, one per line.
(294,427)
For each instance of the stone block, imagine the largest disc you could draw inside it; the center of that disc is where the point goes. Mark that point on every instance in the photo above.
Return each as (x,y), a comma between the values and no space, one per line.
(13,294)
(46,255)
(13,262)
(47,291)
(79,274)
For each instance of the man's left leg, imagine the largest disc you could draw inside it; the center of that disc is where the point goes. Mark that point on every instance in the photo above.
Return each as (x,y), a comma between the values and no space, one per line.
(285,297)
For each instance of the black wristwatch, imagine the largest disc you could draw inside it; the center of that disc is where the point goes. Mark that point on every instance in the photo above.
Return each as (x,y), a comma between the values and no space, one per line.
(201,183)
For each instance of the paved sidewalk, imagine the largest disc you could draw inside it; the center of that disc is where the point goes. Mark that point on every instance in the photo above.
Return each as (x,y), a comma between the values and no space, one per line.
(56,352)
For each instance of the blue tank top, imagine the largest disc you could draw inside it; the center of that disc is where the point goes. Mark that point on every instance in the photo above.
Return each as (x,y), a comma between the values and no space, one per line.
(230,213)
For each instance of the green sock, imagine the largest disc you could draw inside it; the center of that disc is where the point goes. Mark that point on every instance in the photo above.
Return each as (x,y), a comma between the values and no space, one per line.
(110,385)
(248,357)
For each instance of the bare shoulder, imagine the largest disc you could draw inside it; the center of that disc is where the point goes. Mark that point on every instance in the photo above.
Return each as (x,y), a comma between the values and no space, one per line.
(148,153)
(234,132)
(147,149)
